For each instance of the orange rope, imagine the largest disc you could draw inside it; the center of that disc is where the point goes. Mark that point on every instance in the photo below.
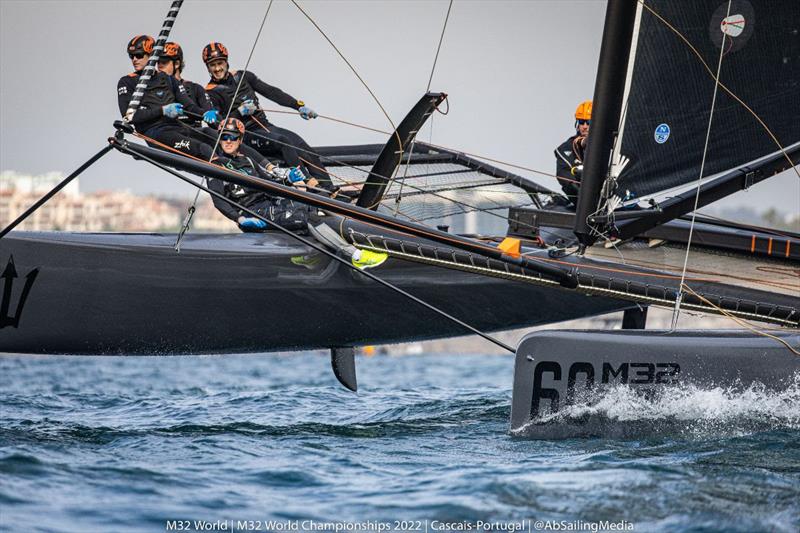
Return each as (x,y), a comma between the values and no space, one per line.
(722,85)
(477,156)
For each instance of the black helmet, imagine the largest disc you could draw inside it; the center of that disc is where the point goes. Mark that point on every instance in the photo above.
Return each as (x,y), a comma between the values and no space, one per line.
(214,51)
(232,125)
(172,50)
(141,44)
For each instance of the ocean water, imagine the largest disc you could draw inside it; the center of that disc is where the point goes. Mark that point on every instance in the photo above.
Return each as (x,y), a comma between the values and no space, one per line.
(272,442)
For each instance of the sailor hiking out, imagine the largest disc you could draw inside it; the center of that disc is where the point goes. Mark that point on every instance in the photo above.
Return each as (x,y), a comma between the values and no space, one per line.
(570,154)
(164,101)
(282,211)
(268,139)
(287,213)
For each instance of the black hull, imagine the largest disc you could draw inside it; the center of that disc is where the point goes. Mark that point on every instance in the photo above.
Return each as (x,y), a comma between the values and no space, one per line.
(558,371)
(119,294)
(559,374)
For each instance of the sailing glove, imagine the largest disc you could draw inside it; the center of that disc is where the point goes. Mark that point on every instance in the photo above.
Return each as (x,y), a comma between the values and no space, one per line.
(251,223)
(307,113)
(172,110)
(296,175)
(211,116)
(292,175)
(247,108)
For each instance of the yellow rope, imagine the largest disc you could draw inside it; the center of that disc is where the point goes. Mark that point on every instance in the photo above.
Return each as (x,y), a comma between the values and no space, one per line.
(740,321)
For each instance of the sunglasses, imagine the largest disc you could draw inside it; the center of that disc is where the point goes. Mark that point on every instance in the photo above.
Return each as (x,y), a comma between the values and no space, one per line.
(229,137)
(587,122)
(138,55)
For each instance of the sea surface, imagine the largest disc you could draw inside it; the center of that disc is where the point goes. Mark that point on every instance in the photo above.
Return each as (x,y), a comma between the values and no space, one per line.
(272,442)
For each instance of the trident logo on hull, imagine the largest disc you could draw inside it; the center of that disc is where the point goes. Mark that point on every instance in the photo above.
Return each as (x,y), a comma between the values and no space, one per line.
(8,276)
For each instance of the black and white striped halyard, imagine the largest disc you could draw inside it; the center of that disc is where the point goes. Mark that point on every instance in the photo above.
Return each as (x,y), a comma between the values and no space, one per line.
(144,79)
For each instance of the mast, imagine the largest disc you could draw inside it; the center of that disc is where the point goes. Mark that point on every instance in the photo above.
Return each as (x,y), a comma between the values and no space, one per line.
(607,106)
(144,79)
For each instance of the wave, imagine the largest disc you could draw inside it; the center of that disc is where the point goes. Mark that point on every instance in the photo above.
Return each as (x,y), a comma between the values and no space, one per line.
(686,410)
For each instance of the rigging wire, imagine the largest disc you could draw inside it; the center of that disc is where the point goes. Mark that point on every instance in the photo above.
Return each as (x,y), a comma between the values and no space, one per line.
(321,248)
(52,192)
(427,90)
(192,208)
(364,83)
(676,313)
(441,147)
(743,323)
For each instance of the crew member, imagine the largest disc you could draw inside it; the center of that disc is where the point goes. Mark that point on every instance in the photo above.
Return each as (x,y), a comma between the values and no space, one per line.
(268,139)
(163,103)
(287,213)
(570,154)
(171,62)
(282,211)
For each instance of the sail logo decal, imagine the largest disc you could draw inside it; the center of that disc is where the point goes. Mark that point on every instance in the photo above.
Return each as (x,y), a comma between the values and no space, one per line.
(8,276)
(733,26)
(662,133)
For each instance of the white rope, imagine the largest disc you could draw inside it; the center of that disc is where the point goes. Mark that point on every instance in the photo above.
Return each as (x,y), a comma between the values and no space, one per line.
(676,313)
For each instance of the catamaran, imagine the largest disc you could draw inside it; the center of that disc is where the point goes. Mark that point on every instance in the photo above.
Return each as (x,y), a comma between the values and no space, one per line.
(692,96)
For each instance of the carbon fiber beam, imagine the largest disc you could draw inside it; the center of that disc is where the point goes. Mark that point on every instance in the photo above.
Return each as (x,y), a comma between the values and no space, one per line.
(392,154)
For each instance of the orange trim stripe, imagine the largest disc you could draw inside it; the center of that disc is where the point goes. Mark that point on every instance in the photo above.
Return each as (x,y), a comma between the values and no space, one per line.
(769,247)
(753,244)
(788,242)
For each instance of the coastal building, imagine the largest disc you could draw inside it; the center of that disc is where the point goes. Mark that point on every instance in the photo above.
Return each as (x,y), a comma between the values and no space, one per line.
(72,210)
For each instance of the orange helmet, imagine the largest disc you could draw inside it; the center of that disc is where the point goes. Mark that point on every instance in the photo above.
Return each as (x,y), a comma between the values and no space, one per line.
(141,44)
(584,111)
(214,51)
(232,125)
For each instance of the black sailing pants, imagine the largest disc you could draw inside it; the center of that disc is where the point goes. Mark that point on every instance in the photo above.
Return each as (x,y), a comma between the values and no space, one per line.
(287,213)
(180,138)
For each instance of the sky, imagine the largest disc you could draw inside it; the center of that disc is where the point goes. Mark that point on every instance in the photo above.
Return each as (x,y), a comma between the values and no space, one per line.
(515,72)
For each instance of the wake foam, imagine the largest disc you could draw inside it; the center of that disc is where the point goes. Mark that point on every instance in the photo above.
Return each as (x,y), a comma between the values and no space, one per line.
(689,410)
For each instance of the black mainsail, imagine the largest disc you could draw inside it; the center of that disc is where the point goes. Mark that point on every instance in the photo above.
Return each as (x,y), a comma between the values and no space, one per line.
(678,125)
(672,87)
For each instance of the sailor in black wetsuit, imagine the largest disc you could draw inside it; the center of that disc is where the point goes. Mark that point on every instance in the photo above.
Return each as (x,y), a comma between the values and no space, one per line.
(269,140)
(569,155)
(171,62)
(164,101)
(287,213)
